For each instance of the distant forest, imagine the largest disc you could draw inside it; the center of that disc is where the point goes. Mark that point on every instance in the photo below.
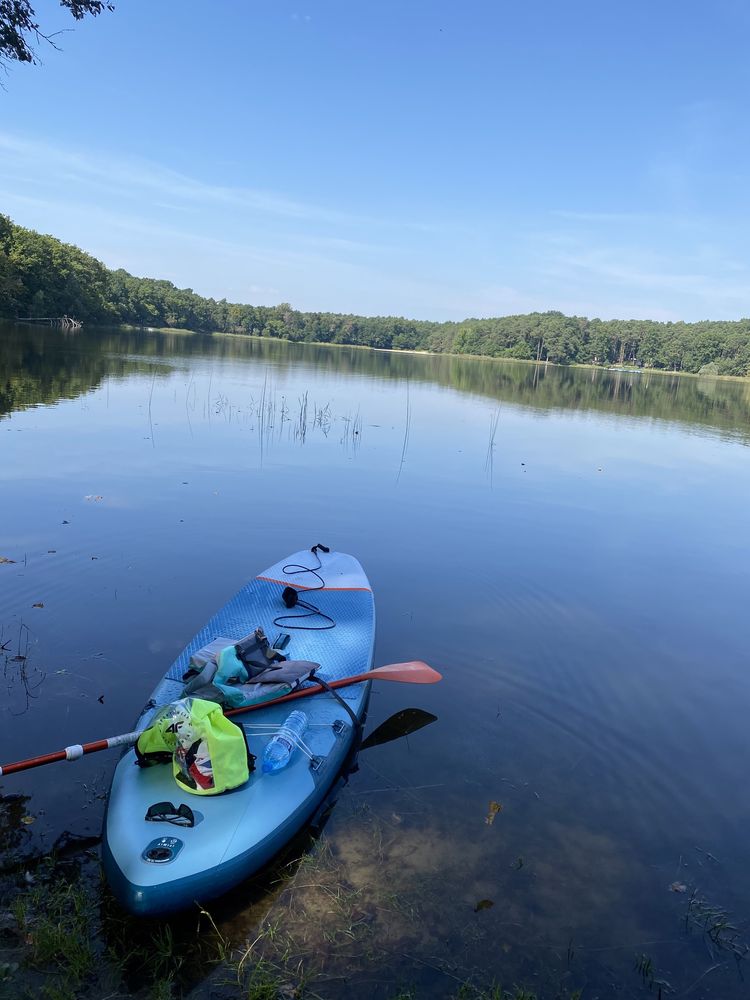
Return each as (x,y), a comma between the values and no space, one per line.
(41,276)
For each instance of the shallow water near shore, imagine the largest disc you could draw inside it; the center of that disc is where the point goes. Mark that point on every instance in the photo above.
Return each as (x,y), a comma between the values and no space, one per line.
(570,548)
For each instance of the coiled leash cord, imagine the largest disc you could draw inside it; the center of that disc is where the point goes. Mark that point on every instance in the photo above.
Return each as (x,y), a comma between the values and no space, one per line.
(291,597)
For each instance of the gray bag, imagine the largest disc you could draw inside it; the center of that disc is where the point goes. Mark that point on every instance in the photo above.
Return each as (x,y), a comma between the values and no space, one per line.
(272,682)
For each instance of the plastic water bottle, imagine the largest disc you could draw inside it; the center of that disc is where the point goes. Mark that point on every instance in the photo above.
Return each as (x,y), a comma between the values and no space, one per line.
(281,746)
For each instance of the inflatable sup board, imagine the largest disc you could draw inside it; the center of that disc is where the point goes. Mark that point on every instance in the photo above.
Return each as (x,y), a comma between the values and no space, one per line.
(157,867)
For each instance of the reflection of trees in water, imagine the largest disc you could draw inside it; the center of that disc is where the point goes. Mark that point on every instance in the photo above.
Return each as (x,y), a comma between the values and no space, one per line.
(39,366)
(44,365)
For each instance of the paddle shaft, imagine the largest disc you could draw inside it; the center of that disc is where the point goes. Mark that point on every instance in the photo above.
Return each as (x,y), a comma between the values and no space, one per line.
(414,672)
(70,753)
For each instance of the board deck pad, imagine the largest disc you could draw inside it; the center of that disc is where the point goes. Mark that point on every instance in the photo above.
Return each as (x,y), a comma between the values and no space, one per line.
(236,833)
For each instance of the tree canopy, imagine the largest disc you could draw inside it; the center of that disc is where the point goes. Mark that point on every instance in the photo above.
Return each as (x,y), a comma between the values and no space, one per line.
(41,276)
(19,26)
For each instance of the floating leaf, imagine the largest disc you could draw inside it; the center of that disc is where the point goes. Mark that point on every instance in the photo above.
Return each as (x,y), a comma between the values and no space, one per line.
(483,904)
(4,559)
(678,887)
(495,808)
(27,820)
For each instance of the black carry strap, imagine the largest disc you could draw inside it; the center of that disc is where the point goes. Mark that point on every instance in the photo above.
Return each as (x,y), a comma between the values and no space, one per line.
(166,812)
(327,687)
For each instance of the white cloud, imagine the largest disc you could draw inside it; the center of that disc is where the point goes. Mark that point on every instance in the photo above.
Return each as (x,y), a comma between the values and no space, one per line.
(133,177)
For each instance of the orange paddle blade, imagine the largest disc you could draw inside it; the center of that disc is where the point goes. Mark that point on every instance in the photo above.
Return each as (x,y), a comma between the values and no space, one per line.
(412,672)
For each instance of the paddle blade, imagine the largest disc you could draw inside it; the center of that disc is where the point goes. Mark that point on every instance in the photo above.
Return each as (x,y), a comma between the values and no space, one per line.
(403,723)
(412,672)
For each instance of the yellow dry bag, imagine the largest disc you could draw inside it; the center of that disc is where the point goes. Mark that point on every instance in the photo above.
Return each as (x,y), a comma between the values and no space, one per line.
(208,752)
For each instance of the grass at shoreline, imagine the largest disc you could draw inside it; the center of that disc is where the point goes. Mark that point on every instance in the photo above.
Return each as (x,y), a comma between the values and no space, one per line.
(64,938)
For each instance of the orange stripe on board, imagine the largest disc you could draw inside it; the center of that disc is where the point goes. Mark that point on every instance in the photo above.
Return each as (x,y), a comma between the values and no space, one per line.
(301,586)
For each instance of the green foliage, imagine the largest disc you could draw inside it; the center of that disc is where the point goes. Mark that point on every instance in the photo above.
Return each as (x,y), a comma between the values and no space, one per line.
(50,278)
(40,276)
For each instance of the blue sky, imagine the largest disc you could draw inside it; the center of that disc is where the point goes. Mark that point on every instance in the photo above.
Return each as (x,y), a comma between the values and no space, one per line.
(428,159)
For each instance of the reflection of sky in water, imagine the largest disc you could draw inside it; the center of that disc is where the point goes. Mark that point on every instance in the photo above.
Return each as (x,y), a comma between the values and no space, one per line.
(586,604)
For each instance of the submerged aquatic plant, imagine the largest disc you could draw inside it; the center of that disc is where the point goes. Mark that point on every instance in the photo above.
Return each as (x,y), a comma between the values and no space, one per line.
(716,924)
(644,966)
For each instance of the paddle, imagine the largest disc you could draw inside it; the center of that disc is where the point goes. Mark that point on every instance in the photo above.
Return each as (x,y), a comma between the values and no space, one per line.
(413,672)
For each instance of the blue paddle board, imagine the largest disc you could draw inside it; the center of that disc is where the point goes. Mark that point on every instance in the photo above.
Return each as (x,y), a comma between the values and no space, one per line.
(156,868)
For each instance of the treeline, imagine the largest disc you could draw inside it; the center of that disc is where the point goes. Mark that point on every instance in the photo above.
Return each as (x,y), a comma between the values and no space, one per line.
(40,276)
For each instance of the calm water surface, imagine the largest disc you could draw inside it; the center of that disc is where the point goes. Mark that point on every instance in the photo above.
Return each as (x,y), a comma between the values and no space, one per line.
(570,548)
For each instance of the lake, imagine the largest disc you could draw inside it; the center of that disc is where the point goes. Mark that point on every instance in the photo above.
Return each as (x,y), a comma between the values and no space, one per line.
(569,547)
